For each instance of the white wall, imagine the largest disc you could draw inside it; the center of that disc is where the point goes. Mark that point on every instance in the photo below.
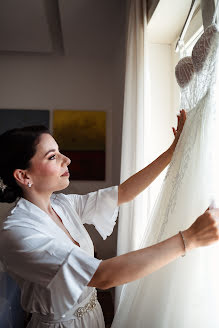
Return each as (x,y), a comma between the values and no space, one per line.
(163,99)
(161,96)
(73,82)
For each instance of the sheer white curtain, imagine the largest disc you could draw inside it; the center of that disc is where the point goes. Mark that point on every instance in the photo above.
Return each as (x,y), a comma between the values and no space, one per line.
(136,128)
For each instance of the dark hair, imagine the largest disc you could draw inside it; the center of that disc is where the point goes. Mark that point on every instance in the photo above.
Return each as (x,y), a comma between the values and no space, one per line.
(17,147)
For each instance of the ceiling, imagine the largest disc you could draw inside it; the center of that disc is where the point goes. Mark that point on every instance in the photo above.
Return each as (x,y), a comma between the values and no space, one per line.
(60,26)
(81,27)
(24,26)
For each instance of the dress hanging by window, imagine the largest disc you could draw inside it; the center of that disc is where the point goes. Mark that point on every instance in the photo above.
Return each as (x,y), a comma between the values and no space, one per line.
(185,293)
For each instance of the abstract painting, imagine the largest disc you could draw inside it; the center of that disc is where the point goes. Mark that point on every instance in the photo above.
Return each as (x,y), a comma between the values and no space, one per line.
(81,136)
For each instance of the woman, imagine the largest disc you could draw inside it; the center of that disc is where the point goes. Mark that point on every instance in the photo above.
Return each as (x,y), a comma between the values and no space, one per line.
(44,245)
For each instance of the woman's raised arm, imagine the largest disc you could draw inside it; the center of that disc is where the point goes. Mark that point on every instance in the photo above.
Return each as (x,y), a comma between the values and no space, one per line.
(134,185)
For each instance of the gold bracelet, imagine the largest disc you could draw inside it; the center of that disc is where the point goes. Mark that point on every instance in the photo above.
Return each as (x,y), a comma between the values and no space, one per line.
(184,242)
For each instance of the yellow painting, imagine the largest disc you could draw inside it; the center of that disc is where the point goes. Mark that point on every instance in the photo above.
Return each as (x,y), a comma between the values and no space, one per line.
(81,136)
(80,130)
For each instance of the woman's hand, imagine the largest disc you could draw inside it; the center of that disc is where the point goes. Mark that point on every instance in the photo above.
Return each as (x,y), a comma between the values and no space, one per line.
(177,132)
(204,231)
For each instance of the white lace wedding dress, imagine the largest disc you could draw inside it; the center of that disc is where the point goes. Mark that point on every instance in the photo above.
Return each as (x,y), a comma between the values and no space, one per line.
(185,293)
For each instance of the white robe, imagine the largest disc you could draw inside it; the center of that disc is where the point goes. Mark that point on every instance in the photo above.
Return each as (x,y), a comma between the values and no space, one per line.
(50,269)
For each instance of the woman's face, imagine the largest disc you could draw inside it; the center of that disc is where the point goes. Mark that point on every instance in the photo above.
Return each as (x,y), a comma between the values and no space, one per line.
(48,166)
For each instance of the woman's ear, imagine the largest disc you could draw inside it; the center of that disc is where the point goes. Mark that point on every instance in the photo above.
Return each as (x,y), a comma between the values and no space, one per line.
(21,176)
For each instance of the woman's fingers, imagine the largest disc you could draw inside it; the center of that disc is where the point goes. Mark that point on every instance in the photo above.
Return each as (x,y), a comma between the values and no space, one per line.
(180,121)
(177,132)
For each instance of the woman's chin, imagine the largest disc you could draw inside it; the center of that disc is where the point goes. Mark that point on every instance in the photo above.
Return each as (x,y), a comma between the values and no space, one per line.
(63,185)
(67,182)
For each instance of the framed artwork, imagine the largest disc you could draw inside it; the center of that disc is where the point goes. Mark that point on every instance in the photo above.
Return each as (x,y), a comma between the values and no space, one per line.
(18,118)
(81,136)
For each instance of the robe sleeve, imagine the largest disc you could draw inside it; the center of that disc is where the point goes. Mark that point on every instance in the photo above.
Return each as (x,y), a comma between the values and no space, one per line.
(99,208)
(39,258)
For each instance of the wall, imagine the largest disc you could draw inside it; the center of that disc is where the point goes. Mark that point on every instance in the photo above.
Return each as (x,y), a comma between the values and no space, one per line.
(77,81)
(163,113)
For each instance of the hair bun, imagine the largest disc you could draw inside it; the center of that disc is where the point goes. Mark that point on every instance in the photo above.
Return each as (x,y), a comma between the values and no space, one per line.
(9,195)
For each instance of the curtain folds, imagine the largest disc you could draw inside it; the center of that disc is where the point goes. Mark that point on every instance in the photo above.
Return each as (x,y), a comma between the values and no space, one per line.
(136,129)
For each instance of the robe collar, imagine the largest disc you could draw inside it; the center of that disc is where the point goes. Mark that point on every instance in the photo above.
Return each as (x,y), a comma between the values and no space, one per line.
(31,207)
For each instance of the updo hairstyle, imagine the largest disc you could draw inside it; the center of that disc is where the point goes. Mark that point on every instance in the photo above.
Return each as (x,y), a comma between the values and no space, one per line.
(17,147)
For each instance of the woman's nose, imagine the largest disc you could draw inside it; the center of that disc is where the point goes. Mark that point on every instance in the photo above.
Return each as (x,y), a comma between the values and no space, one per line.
(67,160)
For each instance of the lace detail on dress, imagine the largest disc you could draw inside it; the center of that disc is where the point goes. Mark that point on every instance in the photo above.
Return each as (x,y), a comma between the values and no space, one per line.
(203,80)
(197,77)
(187,66)
(202,47)
(184,71)
(181,161)
(199,129)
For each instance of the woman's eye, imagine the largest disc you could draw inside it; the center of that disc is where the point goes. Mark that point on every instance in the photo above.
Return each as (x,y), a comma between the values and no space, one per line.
(52,157)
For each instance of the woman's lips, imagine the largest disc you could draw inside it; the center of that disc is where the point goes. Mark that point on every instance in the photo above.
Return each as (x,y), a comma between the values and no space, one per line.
(66,174)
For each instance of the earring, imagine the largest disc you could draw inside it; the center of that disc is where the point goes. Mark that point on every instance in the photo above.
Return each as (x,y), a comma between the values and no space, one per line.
(29,184)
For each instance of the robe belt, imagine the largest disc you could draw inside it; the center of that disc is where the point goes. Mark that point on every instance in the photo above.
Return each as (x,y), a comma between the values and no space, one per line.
(78,311)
